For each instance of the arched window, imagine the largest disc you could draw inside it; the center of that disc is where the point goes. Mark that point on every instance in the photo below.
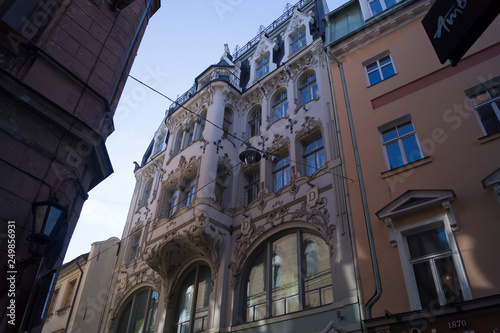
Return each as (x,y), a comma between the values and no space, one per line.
(200,126)
(314,154)
(281,172)
(221,185)
(193,300)
(227,125)
(308,89)
(287,274)
(280,106)
(147,192)
(254,122)
(138,312)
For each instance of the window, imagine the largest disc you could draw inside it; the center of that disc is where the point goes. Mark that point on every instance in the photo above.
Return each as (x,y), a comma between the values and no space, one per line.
(199,127)
(70,289)
(147,192)
(159,144)
(255,122)
(187,194)
(314,155)
(193,301)
(138,313)
(221,186)
(379,69)
(400,144)
(308,89)
(133,247)
(281,172)
(53,302)
(287,274)
(227,124)
(29,17)
(252,181)
(297,40)
(178,141)
(280,106)
(262,66)
(486,104)
(188,136)
(377,6)
(432,265)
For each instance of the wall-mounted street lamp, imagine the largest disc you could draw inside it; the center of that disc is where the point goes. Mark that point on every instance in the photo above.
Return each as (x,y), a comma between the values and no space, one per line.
(48,217)
(250,155)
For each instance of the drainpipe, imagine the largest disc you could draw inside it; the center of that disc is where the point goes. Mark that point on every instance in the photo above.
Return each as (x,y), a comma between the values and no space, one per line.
(76,294)
(376,272)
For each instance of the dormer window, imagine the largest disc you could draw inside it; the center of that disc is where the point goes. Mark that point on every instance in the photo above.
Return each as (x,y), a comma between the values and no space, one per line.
(159,144)
(262,66)
(297,40)
(378,6)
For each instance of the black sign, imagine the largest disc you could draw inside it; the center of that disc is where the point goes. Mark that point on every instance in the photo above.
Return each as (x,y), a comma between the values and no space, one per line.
(454,25)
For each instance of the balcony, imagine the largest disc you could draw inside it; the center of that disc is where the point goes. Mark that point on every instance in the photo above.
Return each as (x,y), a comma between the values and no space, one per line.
(218,74)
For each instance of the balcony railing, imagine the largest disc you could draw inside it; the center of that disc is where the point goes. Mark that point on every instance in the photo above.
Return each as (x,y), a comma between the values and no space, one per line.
(216,75)
(270,28)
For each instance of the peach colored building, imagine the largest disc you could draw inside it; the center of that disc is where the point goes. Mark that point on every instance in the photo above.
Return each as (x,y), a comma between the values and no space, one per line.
(63,65)
(421,145)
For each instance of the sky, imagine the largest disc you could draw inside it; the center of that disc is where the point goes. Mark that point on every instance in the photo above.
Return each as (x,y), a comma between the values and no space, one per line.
(182,39)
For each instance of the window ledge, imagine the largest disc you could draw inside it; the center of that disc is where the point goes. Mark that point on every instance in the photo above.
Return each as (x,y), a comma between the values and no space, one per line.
(488,138)
(406,167)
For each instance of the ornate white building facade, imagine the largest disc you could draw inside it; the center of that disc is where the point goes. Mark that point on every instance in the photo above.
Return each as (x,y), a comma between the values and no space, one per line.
(214,244)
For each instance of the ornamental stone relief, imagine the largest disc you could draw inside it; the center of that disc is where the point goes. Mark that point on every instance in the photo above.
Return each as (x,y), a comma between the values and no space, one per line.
(200,239)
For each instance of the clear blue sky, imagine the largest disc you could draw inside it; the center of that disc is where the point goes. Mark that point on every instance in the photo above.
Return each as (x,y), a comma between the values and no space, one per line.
(182,39)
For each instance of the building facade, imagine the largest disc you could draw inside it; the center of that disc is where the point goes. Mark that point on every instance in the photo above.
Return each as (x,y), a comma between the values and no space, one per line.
(239,219)
(421,143)
(63,68)
(82,289)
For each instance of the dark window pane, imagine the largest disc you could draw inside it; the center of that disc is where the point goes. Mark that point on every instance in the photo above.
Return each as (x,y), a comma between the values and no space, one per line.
(449,280)
(427,242)
(405,128)
(489,119)
(390,3)
(425,284)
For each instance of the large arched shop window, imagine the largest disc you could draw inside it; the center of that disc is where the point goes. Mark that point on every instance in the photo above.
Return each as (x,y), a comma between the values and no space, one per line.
(138,312)
(193,300)
(287,274)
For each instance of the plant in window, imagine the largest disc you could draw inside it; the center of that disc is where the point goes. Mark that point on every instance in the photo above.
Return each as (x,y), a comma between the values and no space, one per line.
(280,106)
(308,89)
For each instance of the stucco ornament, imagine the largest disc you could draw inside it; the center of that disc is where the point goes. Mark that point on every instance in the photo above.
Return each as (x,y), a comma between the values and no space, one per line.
(200,239)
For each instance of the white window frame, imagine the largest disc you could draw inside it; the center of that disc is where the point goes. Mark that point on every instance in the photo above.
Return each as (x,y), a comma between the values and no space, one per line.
(305,85)
(367,10)
(377,59)
(301,40)
(133,247)
(281,99)
(255,121)
(261,63)
(493,101)
(404,254)
(394,124)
